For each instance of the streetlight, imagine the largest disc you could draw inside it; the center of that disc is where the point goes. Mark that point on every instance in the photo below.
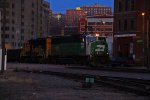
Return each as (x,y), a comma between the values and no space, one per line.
(143,14)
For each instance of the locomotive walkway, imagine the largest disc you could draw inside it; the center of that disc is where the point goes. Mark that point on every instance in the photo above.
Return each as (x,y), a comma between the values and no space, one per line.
(81,70)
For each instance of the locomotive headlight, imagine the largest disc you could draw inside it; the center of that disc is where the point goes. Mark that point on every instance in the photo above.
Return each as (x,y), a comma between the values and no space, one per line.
(97,35)
(83,40)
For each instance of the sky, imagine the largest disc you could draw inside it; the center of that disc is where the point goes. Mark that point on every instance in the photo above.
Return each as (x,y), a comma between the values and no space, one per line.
(59,6)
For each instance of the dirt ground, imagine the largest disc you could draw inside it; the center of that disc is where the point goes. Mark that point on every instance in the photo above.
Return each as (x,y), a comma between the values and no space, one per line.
(31,86)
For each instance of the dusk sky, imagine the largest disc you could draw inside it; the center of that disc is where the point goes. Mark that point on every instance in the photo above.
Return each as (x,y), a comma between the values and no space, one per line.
(62,5)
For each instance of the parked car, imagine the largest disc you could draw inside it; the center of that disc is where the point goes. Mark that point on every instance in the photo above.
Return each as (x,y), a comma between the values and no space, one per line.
(120,61)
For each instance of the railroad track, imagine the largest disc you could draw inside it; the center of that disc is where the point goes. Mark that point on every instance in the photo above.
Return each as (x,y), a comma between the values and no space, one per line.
(138,86)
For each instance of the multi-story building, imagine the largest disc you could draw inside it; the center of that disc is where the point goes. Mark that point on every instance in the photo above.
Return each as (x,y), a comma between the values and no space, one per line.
(102,25)
(57,24)
(25,19)
(71,20)
(97,9)
(131,29)
(73,15)
(46,14)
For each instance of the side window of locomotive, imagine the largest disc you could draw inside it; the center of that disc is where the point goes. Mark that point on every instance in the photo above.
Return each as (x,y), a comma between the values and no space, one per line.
(90,39)
(81,39)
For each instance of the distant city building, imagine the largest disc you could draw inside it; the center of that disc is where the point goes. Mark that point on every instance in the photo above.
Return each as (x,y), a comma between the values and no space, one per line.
(73,15)
(97,9)
(25,19)
(131,29)
(57,24)
(71,20)
(101,25)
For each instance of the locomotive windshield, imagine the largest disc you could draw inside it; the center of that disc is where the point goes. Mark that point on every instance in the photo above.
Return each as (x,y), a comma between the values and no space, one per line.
(94,38)
(102,39)
(90,39)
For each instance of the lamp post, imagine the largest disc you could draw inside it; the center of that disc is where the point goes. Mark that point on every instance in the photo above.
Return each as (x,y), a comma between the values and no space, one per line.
(143,36)
(147,46)
(145,52)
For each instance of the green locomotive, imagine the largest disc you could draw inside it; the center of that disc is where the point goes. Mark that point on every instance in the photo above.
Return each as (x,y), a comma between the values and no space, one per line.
(81,49)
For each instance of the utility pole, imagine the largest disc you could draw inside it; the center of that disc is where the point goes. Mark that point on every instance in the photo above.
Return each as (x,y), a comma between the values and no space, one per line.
(143,36)
(3,5)
(147,46)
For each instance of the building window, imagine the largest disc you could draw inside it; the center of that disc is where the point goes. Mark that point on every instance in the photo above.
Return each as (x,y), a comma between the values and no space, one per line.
(119,25)
(125,25)
(32,26)
(6,36)
(6,28)
(22,9)
(7,21)
(32,12)
(91,23)
(13,29)
(13,21)
(90,29)
(22,23)
(22,30)
(12,36)
(33,5)
(22,1)
(32,19)
(126,5)
(109,23)
(13,6)
(108,29)
(119,6)
(13,13)
(22,16)
(132,22)
(132,5)
(22,37)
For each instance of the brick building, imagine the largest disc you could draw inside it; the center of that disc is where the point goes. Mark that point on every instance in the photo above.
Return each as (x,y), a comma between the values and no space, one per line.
(71,20)
(131,29)
(97,9)
(102,25)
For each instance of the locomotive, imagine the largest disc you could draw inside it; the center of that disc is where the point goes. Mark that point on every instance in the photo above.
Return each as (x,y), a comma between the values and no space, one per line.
(72,49)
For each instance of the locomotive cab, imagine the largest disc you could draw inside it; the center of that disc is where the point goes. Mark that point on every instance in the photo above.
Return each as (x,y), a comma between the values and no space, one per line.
(97,50)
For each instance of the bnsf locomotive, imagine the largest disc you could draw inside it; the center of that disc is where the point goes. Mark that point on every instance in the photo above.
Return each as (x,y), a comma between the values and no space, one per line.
(80,49)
